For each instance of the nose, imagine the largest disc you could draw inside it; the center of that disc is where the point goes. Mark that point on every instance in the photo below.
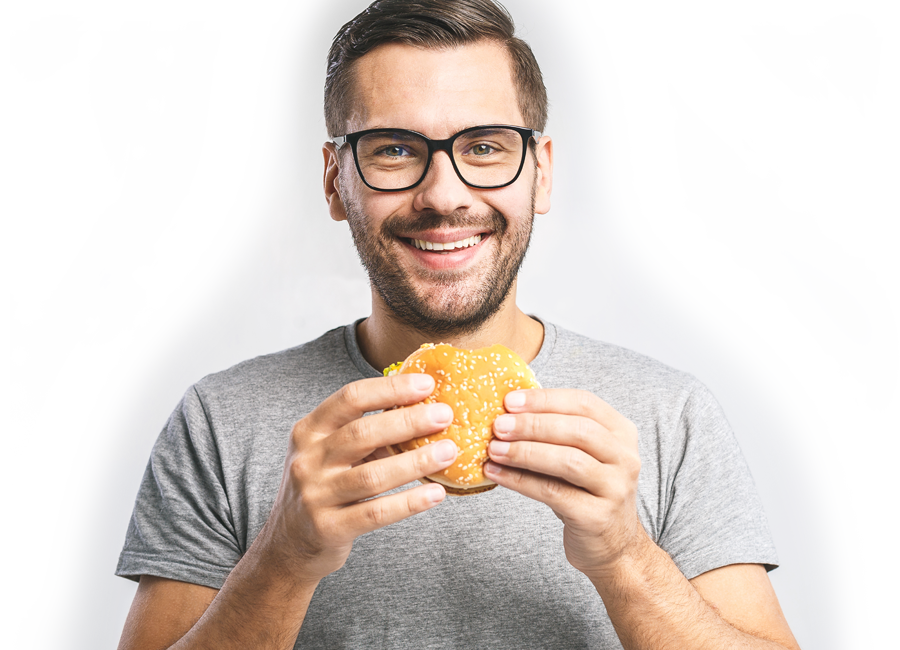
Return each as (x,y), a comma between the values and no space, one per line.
(442,190)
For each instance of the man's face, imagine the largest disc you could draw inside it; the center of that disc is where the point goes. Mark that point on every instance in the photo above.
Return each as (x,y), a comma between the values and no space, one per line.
(438,93)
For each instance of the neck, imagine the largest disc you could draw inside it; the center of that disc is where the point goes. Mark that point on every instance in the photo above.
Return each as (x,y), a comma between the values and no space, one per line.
(384,340)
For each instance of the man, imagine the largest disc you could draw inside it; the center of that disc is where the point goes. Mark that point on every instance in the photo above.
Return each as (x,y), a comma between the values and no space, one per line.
(610,476)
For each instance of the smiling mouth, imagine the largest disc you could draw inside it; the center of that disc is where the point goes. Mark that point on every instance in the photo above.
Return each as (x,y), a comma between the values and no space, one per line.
(424,245)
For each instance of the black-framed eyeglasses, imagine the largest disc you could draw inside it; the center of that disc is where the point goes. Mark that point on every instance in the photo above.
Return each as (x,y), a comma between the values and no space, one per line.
(484,157)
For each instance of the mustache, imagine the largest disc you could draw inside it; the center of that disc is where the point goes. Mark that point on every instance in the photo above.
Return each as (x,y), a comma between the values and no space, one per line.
(395,225)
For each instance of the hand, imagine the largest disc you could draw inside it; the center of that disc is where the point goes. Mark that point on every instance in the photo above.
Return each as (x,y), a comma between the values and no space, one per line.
(325,499)
(572,451)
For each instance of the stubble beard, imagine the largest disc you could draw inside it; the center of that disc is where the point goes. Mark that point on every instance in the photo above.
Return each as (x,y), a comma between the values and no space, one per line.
(454,303)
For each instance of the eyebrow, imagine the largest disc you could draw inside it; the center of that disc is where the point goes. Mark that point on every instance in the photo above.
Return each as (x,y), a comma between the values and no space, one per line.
(452,132)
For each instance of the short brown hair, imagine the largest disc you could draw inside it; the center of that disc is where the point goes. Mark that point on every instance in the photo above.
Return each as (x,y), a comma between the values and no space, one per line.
(430,24)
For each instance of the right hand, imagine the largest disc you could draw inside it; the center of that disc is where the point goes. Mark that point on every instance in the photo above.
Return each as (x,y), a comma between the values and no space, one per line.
(325,499)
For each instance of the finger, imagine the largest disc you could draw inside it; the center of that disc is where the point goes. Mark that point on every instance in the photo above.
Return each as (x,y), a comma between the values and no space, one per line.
(378,454)
(562,497)
(371,515)
(371,479)
(359,438)
(567,463)
(366,395)
(580,432)
(570,402)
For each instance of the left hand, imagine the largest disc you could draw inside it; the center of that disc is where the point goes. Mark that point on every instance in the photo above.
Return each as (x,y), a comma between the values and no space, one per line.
(572,451)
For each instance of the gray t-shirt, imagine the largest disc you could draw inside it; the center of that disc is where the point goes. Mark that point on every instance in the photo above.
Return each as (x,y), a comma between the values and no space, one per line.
(486,570)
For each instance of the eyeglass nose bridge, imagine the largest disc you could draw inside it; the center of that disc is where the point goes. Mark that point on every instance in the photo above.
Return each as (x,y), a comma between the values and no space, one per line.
(447,147)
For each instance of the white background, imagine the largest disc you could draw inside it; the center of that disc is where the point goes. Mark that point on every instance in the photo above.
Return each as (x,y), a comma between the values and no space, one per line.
(105,133)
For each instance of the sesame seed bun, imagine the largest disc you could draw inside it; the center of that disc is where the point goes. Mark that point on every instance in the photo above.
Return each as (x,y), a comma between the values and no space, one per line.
(473,383)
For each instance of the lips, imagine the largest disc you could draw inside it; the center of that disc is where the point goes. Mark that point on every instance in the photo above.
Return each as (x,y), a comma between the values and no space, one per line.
(424,244)
(439,250)
(458,241)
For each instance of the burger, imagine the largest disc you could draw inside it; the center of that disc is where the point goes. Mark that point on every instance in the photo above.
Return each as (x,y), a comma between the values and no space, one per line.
(474,384)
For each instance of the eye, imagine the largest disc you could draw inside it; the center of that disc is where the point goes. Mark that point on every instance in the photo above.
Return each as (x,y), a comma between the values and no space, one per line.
(394,151)
(482,149)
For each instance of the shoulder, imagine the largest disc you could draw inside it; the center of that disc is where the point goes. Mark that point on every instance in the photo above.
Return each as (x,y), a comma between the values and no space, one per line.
(617,374)
(301,375)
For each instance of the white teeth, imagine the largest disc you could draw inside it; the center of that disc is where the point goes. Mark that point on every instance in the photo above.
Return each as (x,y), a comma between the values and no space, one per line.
(437,246)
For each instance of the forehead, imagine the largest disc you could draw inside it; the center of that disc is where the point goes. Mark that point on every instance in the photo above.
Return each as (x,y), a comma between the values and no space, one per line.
(435,91)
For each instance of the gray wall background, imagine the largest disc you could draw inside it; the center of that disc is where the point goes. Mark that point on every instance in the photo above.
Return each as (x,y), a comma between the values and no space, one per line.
(725,201)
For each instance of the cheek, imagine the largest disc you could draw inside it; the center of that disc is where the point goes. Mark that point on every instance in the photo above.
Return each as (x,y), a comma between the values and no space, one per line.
(516,200)
(385,204)
(372,205)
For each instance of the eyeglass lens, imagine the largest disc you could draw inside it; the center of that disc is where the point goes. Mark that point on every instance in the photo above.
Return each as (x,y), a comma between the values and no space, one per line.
(396,159)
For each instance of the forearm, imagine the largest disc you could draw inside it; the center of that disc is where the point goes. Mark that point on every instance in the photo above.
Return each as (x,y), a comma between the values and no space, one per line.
(261,605)
(653,606)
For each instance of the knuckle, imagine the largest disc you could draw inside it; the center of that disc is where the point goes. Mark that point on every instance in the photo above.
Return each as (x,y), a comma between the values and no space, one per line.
(371,477)
(329,528)
(515,478)
(584,400)
(351,393)
(424,461)
(397,387)
(584,430)
(409,418)
(297,466)
(634,466)
(318,526)
(421,461)
(401,389)
(535,424)
(551,490)
(299,432)
(377,513)
(520,452)
(359,431)
(414,501)
(575,463)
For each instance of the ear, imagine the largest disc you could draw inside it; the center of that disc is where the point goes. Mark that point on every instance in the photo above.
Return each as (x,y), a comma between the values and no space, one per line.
(544,182)
(332,182)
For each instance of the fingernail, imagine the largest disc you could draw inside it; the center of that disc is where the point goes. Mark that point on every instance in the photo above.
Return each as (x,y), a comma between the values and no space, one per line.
(440,413)
(499,447)
(445,450)
(434,493)
(504,424)
(515,399)
(492,469)
(422,381)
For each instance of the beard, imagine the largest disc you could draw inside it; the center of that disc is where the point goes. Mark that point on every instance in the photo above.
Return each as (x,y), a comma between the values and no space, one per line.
(449,302)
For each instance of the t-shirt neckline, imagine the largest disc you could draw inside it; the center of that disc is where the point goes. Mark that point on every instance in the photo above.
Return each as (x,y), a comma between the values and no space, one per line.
(367,370)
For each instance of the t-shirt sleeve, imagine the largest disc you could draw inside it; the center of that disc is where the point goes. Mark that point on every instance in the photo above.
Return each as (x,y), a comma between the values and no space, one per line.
(714,516)
(182,527)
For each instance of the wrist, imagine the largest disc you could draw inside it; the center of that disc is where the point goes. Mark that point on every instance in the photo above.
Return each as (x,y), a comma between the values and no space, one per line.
(276,554)
(636,554)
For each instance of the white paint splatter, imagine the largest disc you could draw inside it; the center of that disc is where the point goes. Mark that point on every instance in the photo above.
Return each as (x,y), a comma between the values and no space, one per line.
(217,180)
(859,433)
